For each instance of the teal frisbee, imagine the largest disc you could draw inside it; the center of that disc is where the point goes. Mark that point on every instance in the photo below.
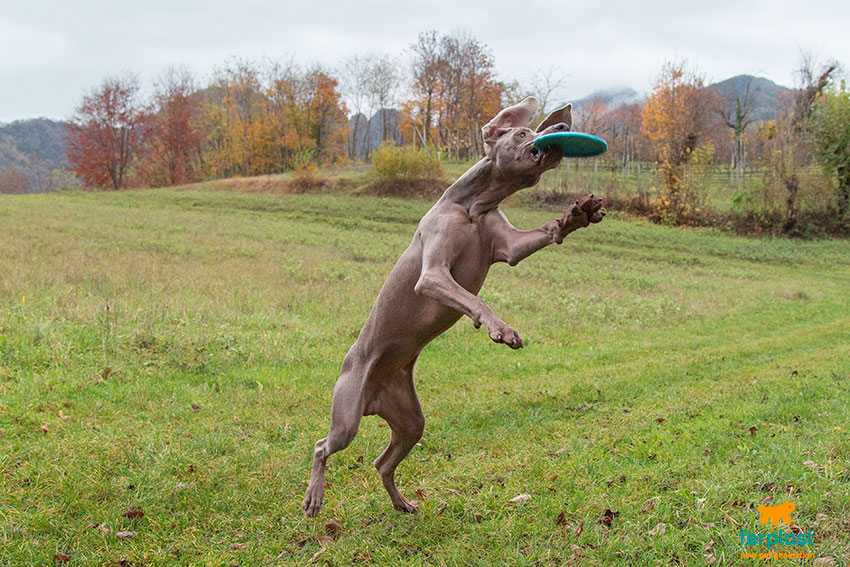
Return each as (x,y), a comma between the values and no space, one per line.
(574,144)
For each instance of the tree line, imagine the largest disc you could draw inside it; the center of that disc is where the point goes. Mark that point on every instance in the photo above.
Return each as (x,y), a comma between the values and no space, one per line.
(264,117)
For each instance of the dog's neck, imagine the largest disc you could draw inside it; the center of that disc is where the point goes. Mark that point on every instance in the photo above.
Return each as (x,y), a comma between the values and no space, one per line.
(483,187)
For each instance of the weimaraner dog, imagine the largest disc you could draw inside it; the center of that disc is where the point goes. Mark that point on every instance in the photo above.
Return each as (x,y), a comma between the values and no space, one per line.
(435,282)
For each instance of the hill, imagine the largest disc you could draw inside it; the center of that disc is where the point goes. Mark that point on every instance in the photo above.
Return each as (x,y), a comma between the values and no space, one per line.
(38,138)
(29,151)
(763,93)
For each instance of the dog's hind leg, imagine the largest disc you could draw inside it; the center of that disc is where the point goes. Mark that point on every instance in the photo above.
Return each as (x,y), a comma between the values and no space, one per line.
(399,405)
(346,411)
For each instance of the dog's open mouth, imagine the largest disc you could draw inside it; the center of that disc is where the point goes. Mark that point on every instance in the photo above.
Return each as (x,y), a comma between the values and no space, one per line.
(535,153)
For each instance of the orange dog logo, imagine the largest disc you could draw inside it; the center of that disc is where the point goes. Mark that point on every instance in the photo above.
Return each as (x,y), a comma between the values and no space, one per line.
(776,513)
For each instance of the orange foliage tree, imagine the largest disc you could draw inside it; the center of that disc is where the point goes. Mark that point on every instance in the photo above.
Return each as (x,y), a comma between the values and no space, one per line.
(105,134)
(675,118)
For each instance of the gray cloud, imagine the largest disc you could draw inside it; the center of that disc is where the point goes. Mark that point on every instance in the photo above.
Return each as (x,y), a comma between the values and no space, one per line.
(50,52)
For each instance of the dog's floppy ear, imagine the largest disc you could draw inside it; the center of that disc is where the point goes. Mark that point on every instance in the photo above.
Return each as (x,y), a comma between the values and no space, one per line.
(563,114)
(514,116)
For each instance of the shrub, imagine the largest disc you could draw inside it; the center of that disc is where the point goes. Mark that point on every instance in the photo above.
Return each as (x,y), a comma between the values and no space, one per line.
(391,163)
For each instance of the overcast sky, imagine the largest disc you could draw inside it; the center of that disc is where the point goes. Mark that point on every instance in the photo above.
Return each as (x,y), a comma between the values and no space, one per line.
(52,52)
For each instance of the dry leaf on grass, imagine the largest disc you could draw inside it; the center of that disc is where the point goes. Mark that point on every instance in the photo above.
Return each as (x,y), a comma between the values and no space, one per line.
(125,534)
(332,527)
(133,513)
(649,507)
(519,498)
(608,516)
(659,529)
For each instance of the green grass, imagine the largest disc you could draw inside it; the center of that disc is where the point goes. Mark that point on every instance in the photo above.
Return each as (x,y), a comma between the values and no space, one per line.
(181,347)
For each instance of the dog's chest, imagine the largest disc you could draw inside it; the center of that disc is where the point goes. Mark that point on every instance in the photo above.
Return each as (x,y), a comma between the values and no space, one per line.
(473,263)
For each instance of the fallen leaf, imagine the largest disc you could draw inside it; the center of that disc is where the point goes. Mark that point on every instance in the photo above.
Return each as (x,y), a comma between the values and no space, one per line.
(519,498)
(561,520)
(134,513)
(239,545)
(126,534)
(795,529)
(579,530)
(709,558)
(420,493)
(809,464)
(558,452)
(661,420)
(701,501)
(659,529)
(44,428)
(649,507)
(61,558)
(753,430)
(92,526)
(332,527)
(575,549)
(608,516)
(708,546)
(196,407)
(824,561)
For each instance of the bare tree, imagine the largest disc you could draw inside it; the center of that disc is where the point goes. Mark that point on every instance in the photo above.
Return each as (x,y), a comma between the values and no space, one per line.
(736,114)
(546,84)
(355,86)
(383,87)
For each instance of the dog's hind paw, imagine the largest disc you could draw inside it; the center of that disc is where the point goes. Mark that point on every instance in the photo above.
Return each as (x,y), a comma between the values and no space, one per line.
(313,500)
(405,505)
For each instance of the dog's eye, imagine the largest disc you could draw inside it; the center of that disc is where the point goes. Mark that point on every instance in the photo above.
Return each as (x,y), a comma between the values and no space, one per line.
(521,135)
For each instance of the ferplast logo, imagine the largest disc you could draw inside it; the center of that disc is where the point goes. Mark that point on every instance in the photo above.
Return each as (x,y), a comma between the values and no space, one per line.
(775,515)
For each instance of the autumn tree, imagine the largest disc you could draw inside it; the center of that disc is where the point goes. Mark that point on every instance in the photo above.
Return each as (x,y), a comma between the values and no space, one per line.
(675,119)
(426,71)
(455,92)
(106,131)
(830,124)
(174,138)
(12,181)
(326,115)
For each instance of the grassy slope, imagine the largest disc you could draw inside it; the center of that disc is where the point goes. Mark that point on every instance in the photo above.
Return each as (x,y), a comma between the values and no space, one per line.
(651,352)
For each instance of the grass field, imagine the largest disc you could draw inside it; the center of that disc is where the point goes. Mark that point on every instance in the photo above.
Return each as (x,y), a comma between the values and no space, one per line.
(174,352)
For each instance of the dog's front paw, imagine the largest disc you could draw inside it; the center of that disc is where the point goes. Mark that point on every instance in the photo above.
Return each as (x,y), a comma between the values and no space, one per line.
(587,210)
(503,333)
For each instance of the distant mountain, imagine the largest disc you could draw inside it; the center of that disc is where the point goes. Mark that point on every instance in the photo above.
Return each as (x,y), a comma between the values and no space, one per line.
(612,97)
(40,138)
(29,151)
(764,94)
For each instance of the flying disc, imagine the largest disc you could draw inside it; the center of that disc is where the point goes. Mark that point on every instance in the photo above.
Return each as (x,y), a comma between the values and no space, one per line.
(574,144)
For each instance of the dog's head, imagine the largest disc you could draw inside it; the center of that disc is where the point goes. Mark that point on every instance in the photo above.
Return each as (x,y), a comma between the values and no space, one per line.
(509,142)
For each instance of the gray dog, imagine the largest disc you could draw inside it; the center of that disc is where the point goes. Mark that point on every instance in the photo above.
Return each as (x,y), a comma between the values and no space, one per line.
(435,282)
